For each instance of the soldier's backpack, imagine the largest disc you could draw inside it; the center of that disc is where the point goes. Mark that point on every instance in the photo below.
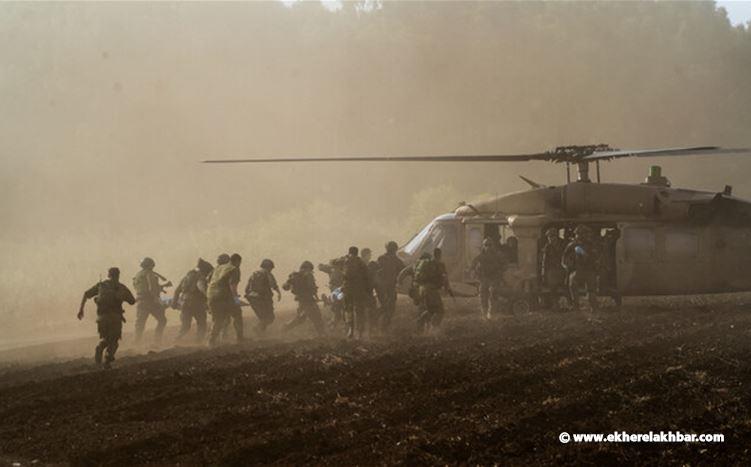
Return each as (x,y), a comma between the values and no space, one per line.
(258,285)
(107,296)
(425,271)
(295,283)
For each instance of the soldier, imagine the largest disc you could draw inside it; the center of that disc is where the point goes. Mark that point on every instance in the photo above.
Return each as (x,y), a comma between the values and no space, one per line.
(148,300)
(389,267)
(190,299)
(109,296)
(303,286)
(356,288)
(222,298)
(260,294)
(488,267)
(510,250)
(431,277)
(607,277)
(372,311)
(335,270)
(581,260)
(553,274)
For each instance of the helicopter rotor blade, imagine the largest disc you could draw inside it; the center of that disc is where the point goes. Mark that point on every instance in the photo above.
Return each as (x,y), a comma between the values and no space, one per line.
(688,151)
(448,158)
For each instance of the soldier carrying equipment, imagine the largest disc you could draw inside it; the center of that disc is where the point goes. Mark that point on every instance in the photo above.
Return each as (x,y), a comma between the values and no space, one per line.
(552,272)
(581,260)
(222,298)
(190,299)
(303,286)
(109,296)
(488,267)
(260,296)
(431,277)
(335,270)
(148,299)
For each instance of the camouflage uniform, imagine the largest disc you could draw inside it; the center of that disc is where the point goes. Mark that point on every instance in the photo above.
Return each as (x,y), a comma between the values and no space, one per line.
(389,267)
(489,266)
(222,302)
(581,260)
(335,270)
(148,303)
(190,298)
(357,290)
(430,277)
(109,296)
(552,272)
(303,286)
(260,294)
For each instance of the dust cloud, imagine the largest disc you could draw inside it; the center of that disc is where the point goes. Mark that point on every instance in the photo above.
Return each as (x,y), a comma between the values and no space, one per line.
(107,109)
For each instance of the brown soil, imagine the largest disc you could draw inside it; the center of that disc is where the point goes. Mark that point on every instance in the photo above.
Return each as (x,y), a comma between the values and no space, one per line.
(478,392)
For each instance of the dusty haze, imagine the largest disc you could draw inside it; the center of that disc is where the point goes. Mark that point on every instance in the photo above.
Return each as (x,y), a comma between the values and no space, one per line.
(106,109)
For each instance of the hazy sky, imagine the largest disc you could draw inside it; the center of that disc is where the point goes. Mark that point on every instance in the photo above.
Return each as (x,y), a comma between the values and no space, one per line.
(739,11)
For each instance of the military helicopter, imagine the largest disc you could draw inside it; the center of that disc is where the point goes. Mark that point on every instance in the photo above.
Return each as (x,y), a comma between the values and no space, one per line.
(673,241)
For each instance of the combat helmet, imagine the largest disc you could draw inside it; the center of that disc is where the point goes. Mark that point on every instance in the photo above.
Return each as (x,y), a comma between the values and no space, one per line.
(222,259)
(147,263)
(267,264)
(306,265)
(392,247)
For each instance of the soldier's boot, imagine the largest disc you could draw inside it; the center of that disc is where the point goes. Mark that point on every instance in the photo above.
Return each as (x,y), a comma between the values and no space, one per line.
(98,351)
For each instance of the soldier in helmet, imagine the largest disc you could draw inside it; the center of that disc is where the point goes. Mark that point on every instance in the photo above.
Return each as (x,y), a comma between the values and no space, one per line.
(148,300)
(109,296)
(552,272)
(222,298)
(260,294)
(335,270)
(431,277)
(303,286)
(488,267)
(190,299)
(356,288)
(389,267)
(581,261)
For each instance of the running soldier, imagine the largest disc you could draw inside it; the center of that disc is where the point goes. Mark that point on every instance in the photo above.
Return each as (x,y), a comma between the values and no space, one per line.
(488,267)
(356,287)
(552,272)
(389,267)
(222,297)
(431,277)
(148,300)
(303,286)
(260,294)
(335,270)
(581,261)
(109,296)
(190,299)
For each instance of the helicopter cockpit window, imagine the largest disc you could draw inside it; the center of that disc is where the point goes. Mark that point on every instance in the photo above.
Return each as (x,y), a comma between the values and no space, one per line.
(436,235)
(413,245)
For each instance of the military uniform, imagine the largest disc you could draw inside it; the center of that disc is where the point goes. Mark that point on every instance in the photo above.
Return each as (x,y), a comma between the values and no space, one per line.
(260,294)
(552,272)
(190,297)
(335,270)
(148,303)
(430,278)
(581,260)
(357,289)
(607,277)
(109,296)
(222,302)
(389,267)
(303,286)
(489,266)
